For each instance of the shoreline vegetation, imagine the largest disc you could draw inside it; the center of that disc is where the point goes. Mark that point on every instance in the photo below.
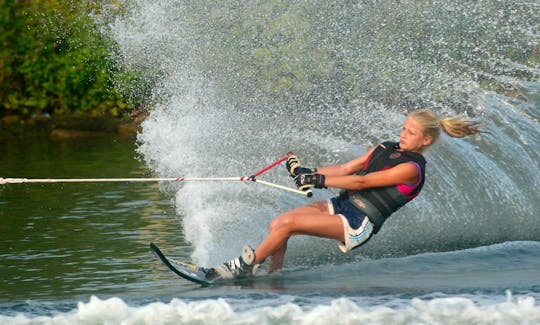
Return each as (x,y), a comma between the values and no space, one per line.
(71,126)
(62,75)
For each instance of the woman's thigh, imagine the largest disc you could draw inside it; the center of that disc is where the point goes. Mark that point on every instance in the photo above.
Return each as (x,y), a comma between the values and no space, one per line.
(315,220)
(315,208)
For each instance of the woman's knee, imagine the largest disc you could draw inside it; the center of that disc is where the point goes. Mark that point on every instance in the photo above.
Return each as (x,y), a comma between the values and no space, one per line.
(284,222)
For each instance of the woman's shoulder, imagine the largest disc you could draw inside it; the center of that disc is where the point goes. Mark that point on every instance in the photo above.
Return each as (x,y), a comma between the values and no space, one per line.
(389,144)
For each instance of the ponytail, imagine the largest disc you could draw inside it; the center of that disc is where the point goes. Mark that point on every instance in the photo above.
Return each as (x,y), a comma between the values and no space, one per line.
(455,127)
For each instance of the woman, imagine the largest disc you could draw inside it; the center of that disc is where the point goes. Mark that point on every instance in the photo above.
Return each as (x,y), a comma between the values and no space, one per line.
(373,187)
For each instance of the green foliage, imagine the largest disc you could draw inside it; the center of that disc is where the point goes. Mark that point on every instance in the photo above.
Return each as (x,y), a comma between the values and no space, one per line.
(55,59)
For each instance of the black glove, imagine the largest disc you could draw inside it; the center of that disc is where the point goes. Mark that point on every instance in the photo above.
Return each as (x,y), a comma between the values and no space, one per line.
(294,168)
(306,181)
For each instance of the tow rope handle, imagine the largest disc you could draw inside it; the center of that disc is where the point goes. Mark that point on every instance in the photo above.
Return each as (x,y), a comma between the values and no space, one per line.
(308,193)
(272,165)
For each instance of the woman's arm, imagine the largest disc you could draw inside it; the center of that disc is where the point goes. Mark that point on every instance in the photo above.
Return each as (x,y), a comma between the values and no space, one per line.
(404,173)
(347,168)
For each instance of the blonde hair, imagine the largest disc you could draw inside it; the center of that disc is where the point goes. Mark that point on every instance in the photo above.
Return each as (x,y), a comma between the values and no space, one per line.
(455,127)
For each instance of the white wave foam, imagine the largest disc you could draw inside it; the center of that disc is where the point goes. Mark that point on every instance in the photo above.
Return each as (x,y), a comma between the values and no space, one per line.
(446,310)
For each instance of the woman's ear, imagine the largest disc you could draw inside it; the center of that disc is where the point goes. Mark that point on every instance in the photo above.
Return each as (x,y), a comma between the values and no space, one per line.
(427,140)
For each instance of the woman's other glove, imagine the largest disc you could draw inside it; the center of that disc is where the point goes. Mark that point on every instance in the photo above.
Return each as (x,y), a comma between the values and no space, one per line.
(294,168)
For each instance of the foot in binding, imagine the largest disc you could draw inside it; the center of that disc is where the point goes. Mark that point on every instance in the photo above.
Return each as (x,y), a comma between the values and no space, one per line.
(238,268)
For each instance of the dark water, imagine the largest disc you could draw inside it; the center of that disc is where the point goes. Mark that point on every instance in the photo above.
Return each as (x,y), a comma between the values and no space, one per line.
(66,240)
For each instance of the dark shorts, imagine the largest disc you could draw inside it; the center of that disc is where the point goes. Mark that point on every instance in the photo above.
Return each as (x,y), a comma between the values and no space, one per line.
(342,206)
(357,228)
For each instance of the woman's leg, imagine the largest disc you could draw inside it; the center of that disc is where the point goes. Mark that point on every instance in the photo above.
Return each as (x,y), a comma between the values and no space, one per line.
(313,219)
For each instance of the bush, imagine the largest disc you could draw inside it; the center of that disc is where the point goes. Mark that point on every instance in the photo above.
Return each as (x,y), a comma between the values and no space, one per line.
(54,59)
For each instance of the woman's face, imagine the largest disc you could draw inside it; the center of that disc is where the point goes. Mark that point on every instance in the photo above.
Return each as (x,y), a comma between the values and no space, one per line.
(412,138)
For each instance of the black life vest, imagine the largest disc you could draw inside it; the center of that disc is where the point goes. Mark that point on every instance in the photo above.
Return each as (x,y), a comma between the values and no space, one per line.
(380,202)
